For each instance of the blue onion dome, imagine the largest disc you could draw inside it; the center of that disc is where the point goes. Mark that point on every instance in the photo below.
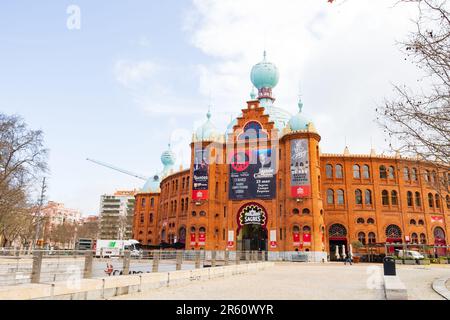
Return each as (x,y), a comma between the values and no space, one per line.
(152,184)
(207,131)
(168,157)
(299,121)
(264,74)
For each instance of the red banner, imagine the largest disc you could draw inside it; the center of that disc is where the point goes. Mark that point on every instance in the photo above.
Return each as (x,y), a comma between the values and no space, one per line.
(296,239)
(199,195)
(273,244)
(230,244)
(192,239)
(300,191)
(307,239)
(437,219)
(202,239)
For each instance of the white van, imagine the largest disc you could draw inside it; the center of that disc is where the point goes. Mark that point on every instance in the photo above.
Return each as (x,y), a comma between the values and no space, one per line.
(409,254)
(113,248)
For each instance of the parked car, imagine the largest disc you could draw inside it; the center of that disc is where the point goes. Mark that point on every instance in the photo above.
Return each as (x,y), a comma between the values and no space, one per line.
(409,254)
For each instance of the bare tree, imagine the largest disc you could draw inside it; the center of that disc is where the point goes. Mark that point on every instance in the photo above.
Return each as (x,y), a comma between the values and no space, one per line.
(419,123)
(88,230)
(22,159)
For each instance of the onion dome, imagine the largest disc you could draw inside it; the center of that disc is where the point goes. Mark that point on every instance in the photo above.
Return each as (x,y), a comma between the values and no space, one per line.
(299,121)
(152,185)
(264,74)
(168,157)
(207,131)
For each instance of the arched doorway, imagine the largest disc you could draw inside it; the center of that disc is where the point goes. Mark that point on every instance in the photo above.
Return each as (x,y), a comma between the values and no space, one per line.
(337,234)
(393,235)
(182,235)
(252,227)
(439,240)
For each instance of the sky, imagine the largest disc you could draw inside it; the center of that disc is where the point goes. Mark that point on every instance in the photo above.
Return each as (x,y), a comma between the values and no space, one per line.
(117,81)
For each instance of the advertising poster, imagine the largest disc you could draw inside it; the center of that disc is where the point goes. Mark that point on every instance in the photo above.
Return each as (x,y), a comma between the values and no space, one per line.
(437,219)
(300,172)
(252,174)
(251,213)
(202,239)
(230,243)
(200,178)
(192,239)
(273,239)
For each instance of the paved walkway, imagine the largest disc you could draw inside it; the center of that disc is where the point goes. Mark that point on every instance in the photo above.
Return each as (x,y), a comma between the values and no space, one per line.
(298,281)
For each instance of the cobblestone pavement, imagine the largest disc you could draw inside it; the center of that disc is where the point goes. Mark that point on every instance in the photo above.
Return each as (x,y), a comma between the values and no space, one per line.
(297,281)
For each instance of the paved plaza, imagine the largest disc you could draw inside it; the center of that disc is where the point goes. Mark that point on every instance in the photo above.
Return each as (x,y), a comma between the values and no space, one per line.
(299,281)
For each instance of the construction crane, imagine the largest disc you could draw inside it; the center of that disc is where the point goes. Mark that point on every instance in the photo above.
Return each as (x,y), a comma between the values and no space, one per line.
(118,169)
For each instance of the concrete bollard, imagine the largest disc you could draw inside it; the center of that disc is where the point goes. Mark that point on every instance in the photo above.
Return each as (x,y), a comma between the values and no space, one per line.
(88,258)
(238,257)
(37,264)
(155,261)
(247,257)
(227,257)
(179,259)
(213,258)
(126,262)
(197,259)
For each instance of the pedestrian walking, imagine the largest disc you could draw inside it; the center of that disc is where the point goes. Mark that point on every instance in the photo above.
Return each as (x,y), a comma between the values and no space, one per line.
(348,259)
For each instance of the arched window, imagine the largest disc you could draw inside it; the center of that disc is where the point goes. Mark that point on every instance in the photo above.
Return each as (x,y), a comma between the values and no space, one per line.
(427,176)
(421,223)
(192,229)
(329,171)
(439,233)
(296,229)
(437,200)
(142,218)
(358,196)
(356,172)
(418,200)
(406,174)
(370,221)
(394,198)
(182,205)
(430,200)
(447,198)
(383,172)
(340,197)
(360,221)
(414,238)
(423,238)
(337,231)
(368,197)
(393,232)
(152,202)
(372,238)
(194,213)
(143,202)
(339,174)
(433,177)
(385,197)
(306,211)
(295,211)
(202,213)
(412,221)
(252,130)
(409,198)
(306,229)
(391,172)
(202,230)
(414,174)
(163,235)
(151,217)
(366,172)
(362,237)
(182,235)
(330,196)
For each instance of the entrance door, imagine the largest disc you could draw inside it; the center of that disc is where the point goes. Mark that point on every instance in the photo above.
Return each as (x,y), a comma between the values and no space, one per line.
(338,246)
(252,237)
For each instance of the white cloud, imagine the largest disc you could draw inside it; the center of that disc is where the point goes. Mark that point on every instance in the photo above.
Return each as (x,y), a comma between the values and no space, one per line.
(344,55)
(132,73)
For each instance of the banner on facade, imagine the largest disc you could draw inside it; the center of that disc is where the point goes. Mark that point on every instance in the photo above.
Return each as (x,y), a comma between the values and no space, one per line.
(300,172)
(252,174)
(200,177)
(192,239)
(273,238)
(296,239)
(437,219)
(230,242)
(202,239)
(307,239)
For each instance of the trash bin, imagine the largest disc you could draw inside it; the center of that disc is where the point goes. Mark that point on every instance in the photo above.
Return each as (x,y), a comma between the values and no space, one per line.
(389,266)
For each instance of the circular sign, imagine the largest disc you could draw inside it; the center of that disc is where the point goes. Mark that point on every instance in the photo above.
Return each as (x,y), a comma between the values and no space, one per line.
(240,160)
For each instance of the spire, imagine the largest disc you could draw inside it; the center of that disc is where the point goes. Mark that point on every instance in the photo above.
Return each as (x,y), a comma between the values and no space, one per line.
(300,104)
(264,55)
(208,114)
(253,94)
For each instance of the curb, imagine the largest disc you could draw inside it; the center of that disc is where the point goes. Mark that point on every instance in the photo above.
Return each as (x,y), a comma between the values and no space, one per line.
(438,286)
(394,289)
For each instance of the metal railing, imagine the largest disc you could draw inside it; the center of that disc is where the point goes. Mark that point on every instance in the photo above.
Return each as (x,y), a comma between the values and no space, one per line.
(48,266)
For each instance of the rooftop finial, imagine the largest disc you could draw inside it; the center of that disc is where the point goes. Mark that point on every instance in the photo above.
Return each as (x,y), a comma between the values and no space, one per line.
(253,94)
(208,114)
(264,54)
